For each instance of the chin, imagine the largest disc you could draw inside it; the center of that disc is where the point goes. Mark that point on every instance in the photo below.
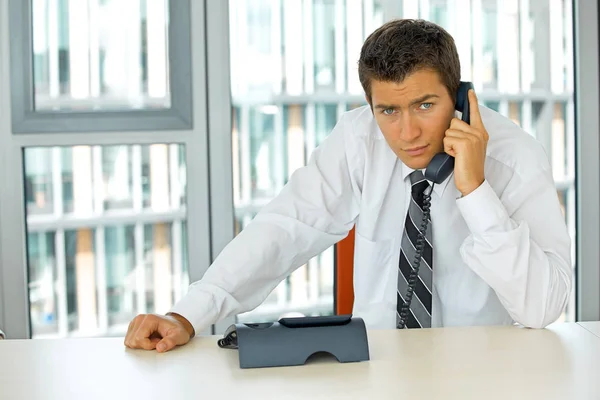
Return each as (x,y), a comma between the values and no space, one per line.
(420,162)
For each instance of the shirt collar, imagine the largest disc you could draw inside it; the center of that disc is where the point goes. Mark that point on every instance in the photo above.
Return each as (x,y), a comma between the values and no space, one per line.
(438,188)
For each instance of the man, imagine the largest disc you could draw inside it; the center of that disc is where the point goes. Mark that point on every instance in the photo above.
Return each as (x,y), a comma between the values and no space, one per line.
(496,251)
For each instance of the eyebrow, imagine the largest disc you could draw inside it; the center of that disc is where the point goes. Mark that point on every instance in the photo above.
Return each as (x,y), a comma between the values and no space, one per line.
(412,103)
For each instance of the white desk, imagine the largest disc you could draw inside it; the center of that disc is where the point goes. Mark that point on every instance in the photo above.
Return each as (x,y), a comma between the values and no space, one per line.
(561,362)
(593,327)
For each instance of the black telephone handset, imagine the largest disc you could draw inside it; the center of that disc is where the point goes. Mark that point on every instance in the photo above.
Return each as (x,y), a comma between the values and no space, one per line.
(442,164)
(440,167)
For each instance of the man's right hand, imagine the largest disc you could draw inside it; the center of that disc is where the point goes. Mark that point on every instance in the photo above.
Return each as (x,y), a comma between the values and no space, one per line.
(160,332)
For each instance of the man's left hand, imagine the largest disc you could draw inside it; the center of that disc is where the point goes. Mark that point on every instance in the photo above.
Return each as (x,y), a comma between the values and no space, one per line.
(467,144)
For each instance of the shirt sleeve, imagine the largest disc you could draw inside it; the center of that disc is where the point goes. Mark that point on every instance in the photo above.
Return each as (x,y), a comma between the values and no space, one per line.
(315,209)
(525,255)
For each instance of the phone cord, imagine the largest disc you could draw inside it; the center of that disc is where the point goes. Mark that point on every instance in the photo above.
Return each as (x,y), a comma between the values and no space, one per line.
(420,246)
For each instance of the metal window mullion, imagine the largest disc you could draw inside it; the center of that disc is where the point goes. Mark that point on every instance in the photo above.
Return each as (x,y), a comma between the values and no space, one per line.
(59,243)
(174,183)
(101,283)
(140,268)
(53,56)
(98,180)
(136,177)
(309,76)
(309,129)
(477,42)
(176,245)
(61,283)
(340,46)
(588,148)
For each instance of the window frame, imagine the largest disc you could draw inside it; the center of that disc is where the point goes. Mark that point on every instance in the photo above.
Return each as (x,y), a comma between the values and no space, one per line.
(219,132)
(25,119)
(587,176)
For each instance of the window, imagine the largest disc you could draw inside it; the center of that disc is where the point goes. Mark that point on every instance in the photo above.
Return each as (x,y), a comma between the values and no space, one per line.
(98,254)
(102,232)
(100,55)
(96,206)
(100,65)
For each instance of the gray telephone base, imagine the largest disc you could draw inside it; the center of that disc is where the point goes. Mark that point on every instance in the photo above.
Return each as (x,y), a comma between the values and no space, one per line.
(291,341)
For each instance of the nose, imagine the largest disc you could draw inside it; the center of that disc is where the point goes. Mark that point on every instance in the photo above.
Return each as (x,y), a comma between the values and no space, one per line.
(409,129)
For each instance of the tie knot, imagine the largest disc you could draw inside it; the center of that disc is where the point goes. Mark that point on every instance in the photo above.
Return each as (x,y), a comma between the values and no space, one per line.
(418,182)
(416,177)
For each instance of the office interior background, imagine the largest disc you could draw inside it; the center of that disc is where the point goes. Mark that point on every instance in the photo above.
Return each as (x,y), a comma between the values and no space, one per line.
(139,136)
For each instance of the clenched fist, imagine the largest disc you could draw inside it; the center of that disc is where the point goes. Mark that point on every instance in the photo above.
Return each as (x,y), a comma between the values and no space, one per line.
(160,332)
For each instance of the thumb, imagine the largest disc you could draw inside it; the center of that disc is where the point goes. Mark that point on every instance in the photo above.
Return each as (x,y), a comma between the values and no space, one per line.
(173,338)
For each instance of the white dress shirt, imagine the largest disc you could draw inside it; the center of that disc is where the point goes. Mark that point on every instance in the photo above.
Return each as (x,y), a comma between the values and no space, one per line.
(500,254)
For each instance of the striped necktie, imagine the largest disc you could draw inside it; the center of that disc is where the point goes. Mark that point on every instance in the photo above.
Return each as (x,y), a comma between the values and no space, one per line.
(419,315)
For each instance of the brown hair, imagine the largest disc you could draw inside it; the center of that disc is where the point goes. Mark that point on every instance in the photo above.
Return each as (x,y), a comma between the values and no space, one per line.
(403,46)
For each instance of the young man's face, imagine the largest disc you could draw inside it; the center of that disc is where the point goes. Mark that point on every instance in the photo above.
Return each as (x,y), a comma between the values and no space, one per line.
(413,116)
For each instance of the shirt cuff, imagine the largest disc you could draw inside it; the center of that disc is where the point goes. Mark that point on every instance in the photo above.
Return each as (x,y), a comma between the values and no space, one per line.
(198,308)
(483,211)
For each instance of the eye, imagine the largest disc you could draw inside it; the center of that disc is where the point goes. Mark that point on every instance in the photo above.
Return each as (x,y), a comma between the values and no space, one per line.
(388,111)
(426,106)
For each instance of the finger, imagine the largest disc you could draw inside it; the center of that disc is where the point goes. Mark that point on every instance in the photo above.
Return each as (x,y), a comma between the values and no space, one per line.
(449,150)
(126,338)
(172,335)
(146,344)
(131,329)
(476,121)
(448,146)
(155,340)
(459,140)
(453,145)
(460,125)
(141,337)
(460,134)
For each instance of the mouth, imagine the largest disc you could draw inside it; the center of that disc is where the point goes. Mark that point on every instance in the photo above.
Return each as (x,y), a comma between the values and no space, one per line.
(416,151)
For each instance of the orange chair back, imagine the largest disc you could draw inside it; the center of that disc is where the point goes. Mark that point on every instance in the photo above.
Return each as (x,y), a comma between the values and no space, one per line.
(345,275)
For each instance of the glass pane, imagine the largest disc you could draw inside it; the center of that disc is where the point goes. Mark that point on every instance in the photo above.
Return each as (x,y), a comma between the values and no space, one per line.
(521,76)
(266,152)
(42,274)
(325,120)
(494,105)
(119,245)
(515,112)
(66,173)
(38,181)
(324,44)
(438,13)
(156,181)
(105,256)
(489,46)
(117,176)
(100,55)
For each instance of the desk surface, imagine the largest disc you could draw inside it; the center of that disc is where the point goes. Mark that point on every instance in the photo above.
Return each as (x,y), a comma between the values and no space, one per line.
(560,362)
(593,327)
